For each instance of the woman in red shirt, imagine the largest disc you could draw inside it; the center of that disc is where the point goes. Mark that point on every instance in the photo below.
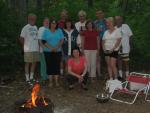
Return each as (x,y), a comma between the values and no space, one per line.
(90,47)
(77,69)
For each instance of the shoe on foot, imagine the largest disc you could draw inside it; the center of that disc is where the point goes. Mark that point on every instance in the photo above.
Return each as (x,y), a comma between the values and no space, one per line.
(29,83)
(92,80)
(57,85)
(84,87)
(50,85)
(71,87)
(119,78)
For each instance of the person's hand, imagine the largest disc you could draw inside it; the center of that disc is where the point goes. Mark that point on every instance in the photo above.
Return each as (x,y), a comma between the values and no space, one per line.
(108,51)
(80,79)
(81,32)
(111,50)
(82,75)
(54,50)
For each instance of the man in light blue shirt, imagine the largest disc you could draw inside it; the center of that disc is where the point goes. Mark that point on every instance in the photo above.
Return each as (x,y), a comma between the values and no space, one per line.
(100,25)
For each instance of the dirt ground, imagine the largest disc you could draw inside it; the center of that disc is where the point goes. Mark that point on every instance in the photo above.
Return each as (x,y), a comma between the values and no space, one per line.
(69,101)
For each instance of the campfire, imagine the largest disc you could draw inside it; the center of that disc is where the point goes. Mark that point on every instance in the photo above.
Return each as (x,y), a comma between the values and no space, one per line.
(36,104)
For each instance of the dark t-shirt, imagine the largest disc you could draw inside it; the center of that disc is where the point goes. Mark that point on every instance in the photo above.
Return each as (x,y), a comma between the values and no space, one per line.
(90,39)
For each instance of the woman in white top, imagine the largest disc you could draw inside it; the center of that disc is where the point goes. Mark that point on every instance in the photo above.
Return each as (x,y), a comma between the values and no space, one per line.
(111,44)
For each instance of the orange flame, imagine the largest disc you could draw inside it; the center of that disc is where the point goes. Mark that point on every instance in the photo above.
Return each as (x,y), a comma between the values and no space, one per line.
(34,94)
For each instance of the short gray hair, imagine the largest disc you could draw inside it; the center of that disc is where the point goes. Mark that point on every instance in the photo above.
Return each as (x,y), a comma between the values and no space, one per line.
(82,12)
(111,19)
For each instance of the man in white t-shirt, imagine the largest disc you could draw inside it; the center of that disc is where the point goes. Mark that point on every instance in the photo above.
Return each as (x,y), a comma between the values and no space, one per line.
(42,57)
(29,41)
(80,25)
(126,33)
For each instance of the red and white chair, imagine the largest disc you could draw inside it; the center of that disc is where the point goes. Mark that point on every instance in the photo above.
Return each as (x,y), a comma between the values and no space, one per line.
(138,78)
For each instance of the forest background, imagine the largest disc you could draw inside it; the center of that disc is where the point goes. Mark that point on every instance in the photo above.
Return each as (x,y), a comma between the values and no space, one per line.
(13,15)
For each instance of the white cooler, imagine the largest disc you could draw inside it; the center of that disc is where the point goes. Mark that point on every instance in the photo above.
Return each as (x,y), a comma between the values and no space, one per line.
(111,85)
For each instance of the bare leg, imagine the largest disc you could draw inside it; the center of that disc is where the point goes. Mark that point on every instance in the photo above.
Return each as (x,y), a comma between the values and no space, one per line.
(114,67)
(109,67)
(126,66)
(56,77)
(50,80)
(66,69)
(120,67)
(27,71)
(61,67)
(33,66)
(98,65)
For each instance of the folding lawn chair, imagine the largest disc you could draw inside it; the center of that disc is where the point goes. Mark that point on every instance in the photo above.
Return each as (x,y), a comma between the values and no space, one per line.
(139,78)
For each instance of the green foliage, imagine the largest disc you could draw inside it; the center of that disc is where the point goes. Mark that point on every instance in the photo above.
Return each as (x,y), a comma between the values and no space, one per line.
(9,32)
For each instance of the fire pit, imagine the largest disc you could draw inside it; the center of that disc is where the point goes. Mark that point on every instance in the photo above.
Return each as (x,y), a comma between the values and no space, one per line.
(37,104)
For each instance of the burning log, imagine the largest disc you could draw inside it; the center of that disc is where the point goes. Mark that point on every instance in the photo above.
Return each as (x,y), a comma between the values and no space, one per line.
(37,104)
(40,107)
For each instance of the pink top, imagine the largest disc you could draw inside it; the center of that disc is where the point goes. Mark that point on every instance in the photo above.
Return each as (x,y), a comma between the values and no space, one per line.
(79,67)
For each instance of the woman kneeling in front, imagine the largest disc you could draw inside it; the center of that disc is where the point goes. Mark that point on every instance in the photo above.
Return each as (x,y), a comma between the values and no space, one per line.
(77,69)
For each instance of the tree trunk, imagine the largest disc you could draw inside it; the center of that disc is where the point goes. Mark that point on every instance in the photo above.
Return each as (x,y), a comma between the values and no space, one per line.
(90,3)
(123,4)
(39,4)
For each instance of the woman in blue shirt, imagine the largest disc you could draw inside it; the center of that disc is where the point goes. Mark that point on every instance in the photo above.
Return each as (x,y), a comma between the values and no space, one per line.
(53,40)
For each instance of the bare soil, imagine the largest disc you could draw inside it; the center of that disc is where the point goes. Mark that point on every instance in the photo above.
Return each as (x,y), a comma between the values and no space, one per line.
(69,101)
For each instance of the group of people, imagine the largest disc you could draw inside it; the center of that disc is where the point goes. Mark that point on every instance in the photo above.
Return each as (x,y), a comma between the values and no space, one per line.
(76,50)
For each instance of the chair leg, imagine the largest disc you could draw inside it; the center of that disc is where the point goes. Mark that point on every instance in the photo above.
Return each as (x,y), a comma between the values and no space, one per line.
(146,93)
(135,97)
